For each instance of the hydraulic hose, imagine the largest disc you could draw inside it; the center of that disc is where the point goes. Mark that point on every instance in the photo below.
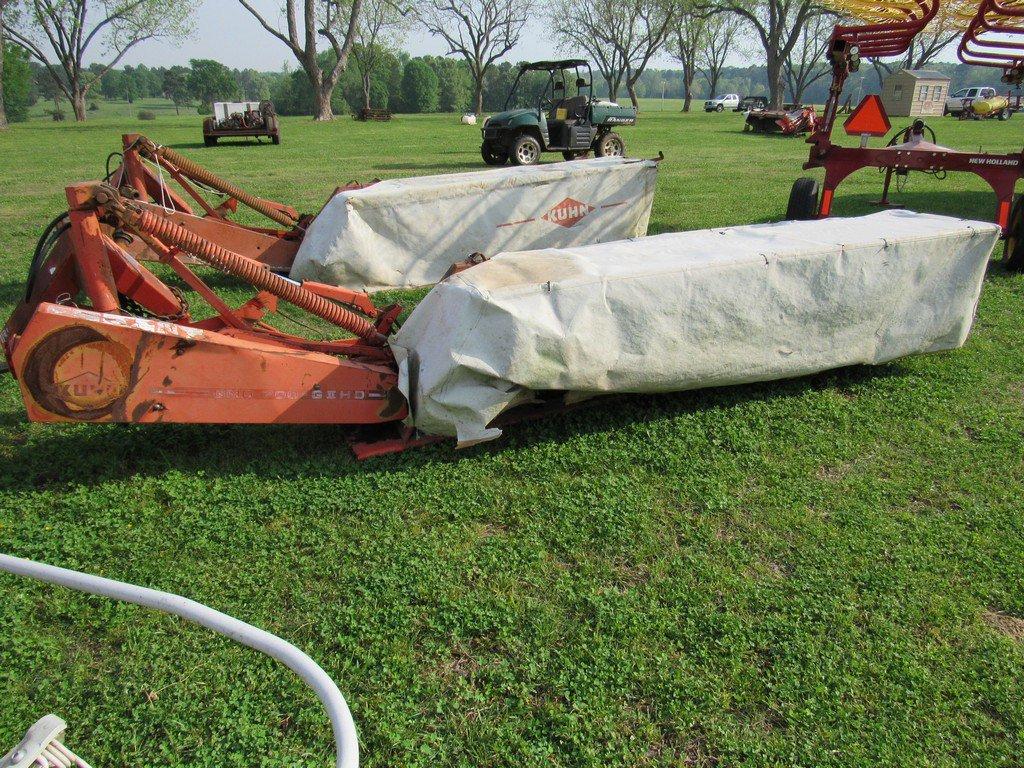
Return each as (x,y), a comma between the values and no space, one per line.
(197,172)
(345,738)
(252,272)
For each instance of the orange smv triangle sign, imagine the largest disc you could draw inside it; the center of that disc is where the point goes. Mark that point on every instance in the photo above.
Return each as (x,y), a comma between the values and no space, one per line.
(868,118)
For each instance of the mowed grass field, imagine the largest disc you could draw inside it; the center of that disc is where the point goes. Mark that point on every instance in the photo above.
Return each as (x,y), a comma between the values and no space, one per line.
(819,572)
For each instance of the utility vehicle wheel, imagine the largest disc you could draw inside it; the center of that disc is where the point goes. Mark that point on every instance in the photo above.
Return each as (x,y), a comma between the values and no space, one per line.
(525,150)
(720,108)
(803,199)
(1013,248)
(1003,115)
(575,154)
(209,140)
(610,145)
(492,156)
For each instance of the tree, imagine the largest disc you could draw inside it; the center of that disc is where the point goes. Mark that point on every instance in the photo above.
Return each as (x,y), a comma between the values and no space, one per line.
(945,27)
(15,85)
(6,9)
(176,87)
(255,85)
(622,35)
(452,84)
(689,33)
(651,24)
(805,63)
(721,31)
(777,25)
(481,31)
(61,34)
(380,29)
(320,18)
(419,87)
(578,26)
(211,81)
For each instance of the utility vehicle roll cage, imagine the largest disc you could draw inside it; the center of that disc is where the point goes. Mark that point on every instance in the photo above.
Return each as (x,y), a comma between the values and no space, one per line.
(551,67)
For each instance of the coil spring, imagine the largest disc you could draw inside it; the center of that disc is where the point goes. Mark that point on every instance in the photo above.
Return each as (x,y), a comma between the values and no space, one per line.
(199,173)
(255,274)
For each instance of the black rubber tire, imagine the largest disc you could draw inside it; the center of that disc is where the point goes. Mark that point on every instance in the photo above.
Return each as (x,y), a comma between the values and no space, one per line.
(1013,246)
(803,199)
(610,145)
(1003,115)
(525,150)
(575,154)
(492,156)
(720,108)
(210,141)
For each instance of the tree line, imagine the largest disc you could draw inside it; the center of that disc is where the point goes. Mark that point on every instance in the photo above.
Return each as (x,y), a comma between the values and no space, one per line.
(348,52)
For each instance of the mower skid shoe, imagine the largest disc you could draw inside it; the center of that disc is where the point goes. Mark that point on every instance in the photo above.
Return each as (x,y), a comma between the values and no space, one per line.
(75,364)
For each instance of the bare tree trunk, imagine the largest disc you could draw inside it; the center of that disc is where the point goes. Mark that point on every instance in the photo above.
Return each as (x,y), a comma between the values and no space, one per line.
(78,103)
(713,83)
(366,91)
(478,94)
(323,103)
(631,88)
(689,72)
(776,82)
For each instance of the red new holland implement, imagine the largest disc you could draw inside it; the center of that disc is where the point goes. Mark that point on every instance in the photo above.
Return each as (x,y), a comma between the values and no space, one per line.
(889,30)
(138,354)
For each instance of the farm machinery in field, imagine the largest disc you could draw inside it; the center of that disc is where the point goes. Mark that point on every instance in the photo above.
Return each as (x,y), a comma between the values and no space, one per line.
(787,122)
(101,337)
(556,121)
(993,37)
(232,119)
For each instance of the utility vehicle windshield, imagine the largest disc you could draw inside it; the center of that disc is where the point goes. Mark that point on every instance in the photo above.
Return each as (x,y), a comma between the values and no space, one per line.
(546,88)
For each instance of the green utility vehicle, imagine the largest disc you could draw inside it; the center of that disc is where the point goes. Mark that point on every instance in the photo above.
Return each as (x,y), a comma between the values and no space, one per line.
(572,125)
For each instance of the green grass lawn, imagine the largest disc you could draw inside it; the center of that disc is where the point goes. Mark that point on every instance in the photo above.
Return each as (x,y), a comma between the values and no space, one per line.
(809,572)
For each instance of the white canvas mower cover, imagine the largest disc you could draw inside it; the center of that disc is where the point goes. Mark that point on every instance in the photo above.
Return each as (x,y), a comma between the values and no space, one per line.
(687,310)
(407,232)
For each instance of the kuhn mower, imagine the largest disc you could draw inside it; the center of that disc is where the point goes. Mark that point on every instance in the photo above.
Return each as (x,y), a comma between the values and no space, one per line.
(992,38)
(101,337)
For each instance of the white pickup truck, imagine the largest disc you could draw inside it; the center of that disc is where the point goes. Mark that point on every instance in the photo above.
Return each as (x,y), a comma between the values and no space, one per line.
(955,102)
(722,103)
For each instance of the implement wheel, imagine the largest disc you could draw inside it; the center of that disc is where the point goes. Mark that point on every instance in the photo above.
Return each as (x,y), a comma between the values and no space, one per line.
(803,199)
(491,155)
(1013,247)
(525,150)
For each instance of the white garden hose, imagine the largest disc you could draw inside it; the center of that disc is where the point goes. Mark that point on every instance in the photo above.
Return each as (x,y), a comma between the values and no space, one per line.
(345,738)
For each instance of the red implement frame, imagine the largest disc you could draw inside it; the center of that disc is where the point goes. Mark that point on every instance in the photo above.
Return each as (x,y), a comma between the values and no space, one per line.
(99,337)
(849,44)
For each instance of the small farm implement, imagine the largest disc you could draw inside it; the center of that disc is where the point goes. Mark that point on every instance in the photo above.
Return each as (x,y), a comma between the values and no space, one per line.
(788,122)
(241,119)
(993,37)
